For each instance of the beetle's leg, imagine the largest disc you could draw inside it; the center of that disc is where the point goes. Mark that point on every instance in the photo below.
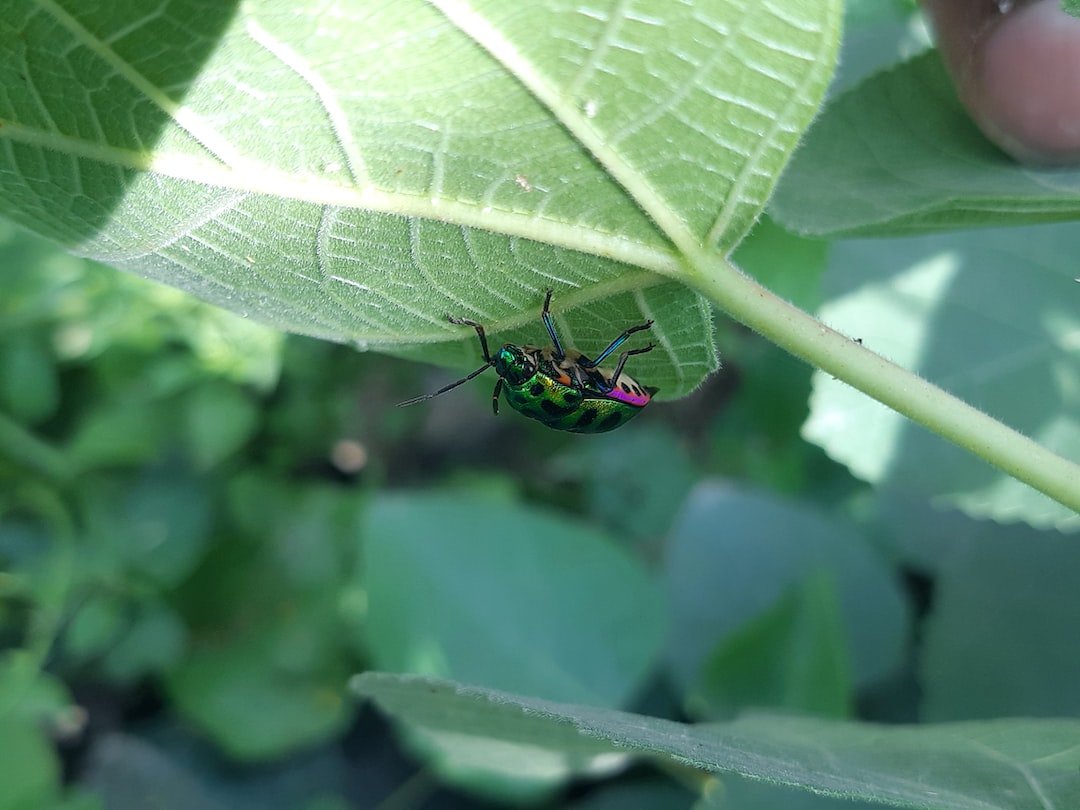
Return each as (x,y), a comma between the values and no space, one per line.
(479,333)
(622,363)
(549,324)
(495,396)
(446,388)
(616,343)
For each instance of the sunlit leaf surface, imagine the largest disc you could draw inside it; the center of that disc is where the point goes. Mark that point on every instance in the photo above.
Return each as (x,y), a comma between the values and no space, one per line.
(359,170)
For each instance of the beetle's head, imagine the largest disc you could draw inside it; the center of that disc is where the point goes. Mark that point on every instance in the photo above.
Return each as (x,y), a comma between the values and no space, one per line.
(514,364)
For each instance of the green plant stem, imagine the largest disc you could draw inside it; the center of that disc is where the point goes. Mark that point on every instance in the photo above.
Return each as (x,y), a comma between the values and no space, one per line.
(25,449)
(905,392)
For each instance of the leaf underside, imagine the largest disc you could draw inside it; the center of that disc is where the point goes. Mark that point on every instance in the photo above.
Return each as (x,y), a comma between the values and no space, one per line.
(899,155)
(359,170)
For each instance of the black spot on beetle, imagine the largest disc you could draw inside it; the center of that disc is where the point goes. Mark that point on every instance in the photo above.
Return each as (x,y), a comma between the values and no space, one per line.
(624,387)
(553,409)
(610,421)
(537,389)
(572,398)
(586,418)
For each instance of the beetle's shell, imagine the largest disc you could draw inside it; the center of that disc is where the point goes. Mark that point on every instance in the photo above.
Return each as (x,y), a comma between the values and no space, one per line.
(564,396)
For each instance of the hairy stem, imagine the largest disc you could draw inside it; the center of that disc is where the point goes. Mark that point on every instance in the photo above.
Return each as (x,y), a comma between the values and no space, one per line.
(903,391)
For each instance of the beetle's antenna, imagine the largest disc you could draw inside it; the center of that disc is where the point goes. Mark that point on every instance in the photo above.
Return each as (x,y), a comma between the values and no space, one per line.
(446,388)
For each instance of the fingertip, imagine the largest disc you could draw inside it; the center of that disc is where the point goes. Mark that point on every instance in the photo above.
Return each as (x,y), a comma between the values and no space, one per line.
(1028,88)
(1016,67)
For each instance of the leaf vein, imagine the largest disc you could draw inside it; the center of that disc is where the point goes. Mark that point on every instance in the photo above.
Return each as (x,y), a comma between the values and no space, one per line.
(735,195)
(335,114)
(185,118)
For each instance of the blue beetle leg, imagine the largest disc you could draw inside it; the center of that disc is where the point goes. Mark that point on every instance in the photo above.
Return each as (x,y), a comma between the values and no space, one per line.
(616,343)
(549,324)
(479,333)
(622,362)
(495,396)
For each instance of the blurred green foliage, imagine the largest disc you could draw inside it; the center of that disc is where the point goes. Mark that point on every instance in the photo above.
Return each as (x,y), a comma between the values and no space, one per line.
(206,529)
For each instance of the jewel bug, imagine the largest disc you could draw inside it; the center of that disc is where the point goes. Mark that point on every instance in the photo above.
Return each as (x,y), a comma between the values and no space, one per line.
(562,388)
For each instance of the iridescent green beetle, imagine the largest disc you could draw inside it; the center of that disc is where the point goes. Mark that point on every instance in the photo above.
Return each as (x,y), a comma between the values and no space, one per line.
(560,387)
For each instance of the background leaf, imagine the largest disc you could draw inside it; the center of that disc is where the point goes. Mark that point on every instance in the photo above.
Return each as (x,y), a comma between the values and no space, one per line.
(29,770)
(732,557)
(511,597)
(736,793)
(991,318)
(469,588)
(1001,640)
(637,504)
(185,496)
(877,35)
(793,656)
(270,626)
(995,765)
(257,699)
(898,154)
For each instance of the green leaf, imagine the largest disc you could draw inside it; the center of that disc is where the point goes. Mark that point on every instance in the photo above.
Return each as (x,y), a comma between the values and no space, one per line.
(637,503)
(255,700)
(755,437)
(993,765)
(94,626)
(1001,638)
(924,538)
(29,390)
(1071,6)
(155,528)
(507,596)
(340,180)
(899,155)
(27,693)
(221,418)
(738,793)
(153,642)
(512,597)
(989,316)
(877,35)
(32,701)
(793,656)
(123,432)
(269,615)
(29,770)
(733,555)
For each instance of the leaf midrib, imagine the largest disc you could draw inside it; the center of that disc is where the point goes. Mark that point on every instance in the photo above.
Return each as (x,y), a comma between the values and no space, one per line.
(237,172)
(639,190)
(262,179)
